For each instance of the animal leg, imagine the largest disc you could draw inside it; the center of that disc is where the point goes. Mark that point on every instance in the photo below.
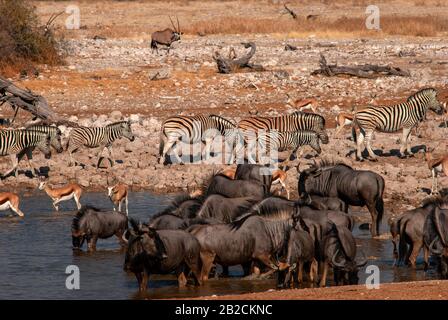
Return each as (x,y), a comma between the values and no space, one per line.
(372,155)
(300,272)
(111,158)
(426,258)
(405,143)
(167,147)
(323,278)
(207,259)
(415,250)
(14,166)
(434,188)
(15,208)
(126,203)
(181,279)
(195,268)
(29,156)
(376,218)
(313,271)
(78,203)
(91,243)
(359,145)
(99,156)
(143,283)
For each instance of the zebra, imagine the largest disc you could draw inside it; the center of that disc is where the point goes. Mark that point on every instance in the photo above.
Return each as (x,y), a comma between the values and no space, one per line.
(405,115)
(101,137)
(193,129)
(54,132)
(289,140)
(18,142)
(296,121)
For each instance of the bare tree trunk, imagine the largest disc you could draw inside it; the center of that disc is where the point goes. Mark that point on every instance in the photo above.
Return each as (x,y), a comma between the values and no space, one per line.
(362,71)
(27,100)
(228,65)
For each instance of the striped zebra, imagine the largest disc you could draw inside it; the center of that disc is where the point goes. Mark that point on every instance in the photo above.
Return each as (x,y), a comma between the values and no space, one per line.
(54,132)
(18,142)
(296,121)
(101,137)
(289,140)
(194,129)
(405,115)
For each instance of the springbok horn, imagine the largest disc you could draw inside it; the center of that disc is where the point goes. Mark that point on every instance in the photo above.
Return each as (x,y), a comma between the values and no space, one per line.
(334,262)
(178,25)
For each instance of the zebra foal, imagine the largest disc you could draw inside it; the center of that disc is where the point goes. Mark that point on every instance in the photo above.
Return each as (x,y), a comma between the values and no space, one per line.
(290,140)
(18,142)
(98,137)
(405,115)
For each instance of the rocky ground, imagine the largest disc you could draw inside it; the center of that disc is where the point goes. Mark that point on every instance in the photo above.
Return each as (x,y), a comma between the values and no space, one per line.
(109,78)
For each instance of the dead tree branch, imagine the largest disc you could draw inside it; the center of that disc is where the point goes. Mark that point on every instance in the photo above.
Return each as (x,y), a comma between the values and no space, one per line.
(233,63)
(361,71)
(27,100)
(292,13)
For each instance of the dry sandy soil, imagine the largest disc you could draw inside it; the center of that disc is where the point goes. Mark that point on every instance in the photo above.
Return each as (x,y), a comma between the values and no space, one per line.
(421,290)
(109,77)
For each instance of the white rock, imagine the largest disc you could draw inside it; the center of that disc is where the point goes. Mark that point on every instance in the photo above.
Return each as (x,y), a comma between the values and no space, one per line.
(116,115)
(134,118)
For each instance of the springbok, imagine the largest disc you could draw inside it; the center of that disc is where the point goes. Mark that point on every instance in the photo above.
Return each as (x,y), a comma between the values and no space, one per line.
(117,194)
(67,192)
(10,201)
(437,165)
(306,104)
(342,119)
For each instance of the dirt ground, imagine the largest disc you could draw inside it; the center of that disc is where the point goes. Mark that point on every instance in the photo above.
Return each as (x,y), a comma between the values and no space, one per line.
(419,290)
(109,66)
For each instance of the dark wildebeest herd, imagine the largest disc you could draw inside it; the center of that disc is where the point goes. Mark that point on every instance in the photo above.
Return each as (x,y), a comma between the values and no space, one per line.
(239,221)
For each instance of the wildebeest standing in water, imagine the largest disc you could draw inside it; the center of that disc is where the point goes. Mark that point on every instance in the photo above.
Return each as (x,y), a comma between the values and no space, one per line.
(224,209)
(92,224)
(165,37)
(250,238)
(299,254)
(161,252)
(436,236)
(407,231)
(354,187)
(339,251)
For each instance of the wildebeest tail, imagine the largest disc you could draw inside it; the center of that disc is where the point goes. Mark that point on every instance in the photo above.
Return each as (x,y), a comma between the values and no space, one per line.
(402,247)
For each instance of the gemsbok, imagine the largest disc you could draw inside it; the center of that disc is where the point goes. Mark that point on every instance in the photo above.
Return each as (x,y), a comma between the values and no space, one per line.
(118,194)
(67,192)
(437,165)
(10,201)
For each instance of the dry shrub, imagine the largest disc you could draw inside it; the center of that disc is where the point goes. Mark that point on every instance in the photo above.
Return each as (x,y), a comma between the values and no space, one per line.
(22,39)
(390,25)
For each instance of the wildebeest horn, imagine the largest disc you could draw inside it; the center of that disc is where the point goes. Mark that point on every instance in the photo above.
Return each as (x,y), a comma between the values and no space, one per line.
(363,261)
(123,237)
(334,262)
(432,248)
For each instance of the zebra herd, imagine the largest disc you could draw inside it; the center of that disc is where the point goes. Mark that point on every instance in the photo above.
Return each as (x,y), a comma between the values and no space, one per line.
(20,142)
(289,132)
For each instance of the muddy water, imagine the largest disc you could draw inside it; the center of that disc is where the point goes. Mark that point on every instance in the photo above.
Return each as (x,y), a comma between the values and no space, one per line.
(35,251)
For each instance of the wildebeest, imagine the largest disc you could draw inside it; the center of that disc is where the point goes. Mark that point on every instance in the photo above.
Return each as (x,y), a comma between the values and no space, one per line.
(230,188)
(353,187)
(339,251)
(408,231)
(299,254)
(224,209)
(161,252)
(326,203)
(92,224)
(250,238)
(184,205)
(255,172)
(169,221)
(436,235)
(165,37)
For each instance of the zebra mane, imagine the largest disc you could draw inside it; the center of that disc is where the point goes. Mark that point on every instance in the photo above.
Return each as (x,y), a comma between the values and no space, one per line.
(116,123)
(222,119)
(420,93)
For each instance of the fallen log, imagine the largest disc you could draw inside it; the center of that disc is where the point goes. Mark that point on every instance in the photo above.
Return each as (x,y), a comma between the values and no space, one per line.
(361,71)
(231,64)
(27,100)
